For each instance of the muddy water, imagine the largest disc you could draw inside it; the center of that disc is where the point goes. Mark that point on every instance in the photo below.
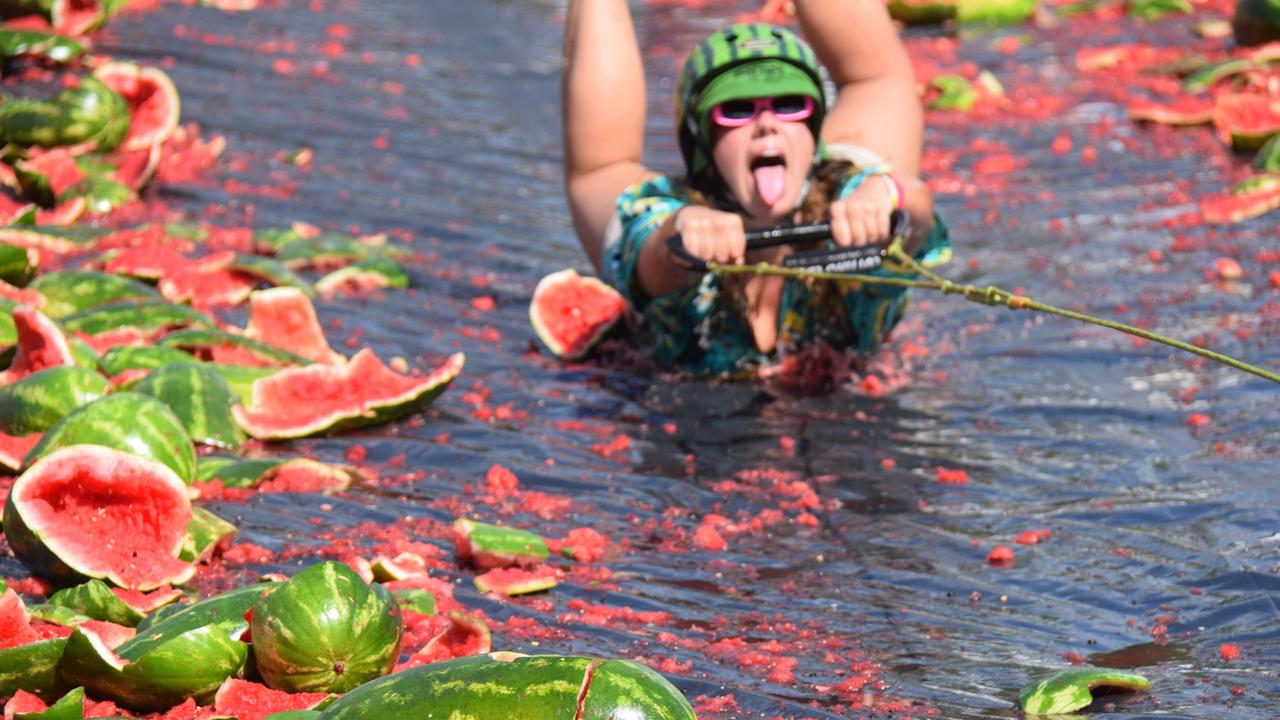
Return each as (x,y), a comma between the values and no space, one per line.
(438,119)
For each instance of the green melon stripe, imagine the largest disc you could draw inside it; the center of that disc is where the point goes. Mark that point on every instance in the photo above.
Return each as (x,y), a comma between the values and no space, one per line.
(31,667)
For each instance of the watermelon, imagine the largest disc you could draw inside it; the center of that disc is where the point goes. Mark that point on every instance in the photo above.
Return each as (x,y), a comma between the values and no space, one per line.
(517,581)
(1234,207)
(58,240)
(140,357)
(224,607)
(285,317)
(200,398)
(86,511)
(207,534)
(32,667)
(159,667)
(362,277)
(954,93)
(245,700)
(152,99)
(333,250)
(68,707)
(129,422)
(325,630)
(1070,690)
(306,475)
(45,175)
(96,600)
(17,265)
(1256,21)
(144,315)
(1246,120)
(68,292)
(548,687)
(269,270)
(38,401)
(571,313)
(298,402)
(994,12)
(41,345)
(33,43)
(465,635)
(487,546)
(15,624)
(1268,157)
(90,115)
(14,449)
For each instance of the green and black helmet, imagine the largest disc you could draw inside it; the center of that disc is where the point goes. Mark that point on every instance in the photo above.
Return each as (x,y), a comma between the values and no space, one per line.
(739,62)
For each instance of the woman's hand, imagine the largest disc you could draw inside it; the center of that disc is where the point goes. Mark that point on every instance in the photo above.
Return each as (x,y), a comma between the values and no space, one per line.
(862,218)
(711,235)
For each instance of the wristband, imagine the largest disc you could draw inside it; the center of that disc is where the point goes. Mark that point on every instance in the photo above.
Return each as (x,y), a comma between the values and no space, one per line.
(896,193)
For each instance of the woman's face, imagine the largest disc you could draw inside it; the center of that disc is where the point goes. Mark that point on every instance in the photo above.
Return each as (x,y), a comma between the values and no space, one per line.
(764,162)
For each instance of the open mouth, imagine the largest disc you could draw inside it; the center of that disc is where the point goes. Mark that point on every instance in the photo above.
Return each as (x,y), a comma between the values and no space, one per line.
(770,174)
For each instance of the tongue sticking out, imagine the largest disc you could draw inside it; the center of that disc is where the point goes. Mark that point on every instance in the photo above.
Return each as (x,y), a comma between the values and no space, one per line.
(771,180)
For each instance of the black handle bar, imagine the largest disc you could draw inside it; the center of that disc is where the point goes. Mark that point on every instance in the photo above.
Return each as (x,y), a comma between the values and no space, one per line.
(859,259)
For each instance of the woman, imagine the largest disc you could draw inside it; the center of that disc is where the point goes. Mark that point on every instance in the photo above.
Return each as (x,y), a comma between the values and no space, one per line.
(761,148)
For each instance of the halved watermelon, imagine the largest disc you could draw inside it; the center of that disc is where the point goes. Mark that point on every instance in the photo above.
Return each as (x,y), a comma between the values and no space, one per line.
(285,317)
(517,581)
(246,700)
(1237,207)
(465,635)
(1184,110)
(153,101)
(87,511)
(571,313)
(302,401)
(41,345)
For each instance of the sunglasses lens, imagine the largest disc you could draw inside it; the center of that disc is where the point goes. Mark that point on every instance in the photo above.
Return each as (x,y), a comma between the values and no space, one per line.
(738,109)
(789,104)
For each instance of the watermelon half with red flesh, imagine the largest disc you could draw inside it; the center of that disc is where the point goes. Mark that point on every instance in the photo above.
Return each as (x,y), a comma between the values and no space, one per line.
(153,101)
(302,401)
(41,345)
(284,317)
(246,700)
(571,313)
(1246,120)
(87,511)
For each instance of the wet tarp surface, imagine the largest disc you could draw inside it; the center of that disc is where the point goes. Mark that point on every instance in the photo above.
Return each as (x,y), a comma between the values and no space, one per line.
(780,553)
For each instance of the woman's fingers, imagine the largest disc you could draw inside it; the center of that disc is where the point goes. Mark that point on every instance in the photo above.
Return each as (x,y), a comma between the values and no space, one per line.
(712,235)
(858,221)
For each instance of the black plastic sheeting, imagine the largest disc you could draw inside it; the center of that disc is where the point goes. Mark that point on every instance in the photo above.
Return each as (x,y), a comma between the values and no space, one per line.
(1056,425)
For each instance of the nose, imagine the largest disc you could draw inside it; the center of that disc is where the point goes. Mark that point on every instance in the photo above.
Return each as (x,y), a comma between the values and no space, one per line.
(766,121)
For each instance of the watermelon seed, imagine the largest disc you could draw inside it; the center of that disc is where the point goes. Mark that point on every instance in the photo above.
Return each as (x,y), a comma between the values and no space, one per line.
(339,667)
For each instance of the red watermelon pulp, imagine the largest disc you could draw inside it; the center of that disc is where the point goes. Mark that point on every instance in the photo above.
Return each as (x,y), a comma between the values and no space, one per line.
(303,401)
(152,98)
(90,511)
(41,345)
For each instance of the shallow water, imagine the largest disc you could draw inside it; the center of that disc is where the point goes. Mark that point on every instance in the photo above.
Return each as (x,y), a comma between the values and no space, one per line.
(1164,544)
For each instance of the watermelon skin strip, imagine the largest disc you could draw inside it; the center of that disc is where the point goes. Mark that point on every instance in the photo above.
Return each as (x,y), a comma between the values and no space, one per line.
(299,402)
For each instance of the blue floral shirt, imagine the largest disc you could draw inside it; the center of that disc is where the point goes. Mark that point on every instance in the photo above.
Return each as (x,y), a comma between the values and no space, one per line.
(700,329)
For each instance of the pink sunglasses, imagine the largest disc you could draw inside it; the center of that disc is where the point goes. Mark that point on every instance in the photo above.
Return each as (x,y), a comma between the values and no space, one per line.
(736,113)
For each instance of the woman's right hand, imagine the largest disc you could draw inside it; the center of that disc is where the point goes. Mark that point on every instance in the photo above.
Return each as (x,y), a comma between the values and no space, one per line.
(711,235)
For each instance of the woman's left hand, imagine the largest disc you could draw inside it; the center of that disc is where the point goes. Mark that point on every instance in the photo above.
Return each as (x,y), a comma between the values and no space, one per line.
(862,218)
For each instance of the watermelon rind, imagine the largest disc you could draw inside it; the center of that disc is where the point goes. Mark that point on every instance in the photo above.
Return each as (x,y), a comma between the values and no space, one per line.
(235,472)
(515,581)
(294,715)
(1268,157)
(67,292)
(270,270)
(490,546)
(224,607)
(68,707)
(32,667)
(1069,690)
(40,344)
(1246,120)
(32,525)
(140,357)
(145,315)
(90,114)
(478,686)
(205,531)
(126,421)
(286,316)
(95,599)
(57,239)
(159,667)
(380,273)
(325,630)
(200,398)
(57,614)
(540,315)
(995,13)
(38,401)
(240,378)
(276,410)
(922,12)
(416,599)
(17,265)
(18,43)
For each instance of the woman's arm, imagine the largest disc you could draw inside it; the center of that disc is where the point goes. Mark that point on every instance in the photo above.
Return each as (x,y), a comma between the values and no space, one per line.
(602,113)
(877,105)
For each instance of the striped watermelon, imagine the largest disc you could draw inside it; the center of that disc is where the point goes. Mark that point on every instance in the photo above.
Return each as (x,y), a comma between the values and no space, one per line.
(200,398)
(325,630)
(548,687)
(486,546)
(38,401)
(1071,689)
(93,512)
(129,422)
(152,99)
(41,345)
(571,313)
(297,402)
